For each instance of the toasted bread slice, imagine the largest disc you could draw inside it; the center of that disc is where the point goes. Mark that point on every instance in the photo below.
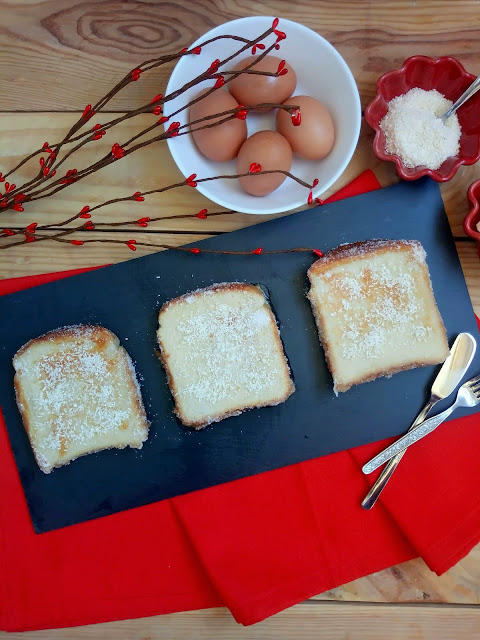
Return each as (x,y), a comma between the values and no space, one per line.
(375,310)
(78,393)
(222,352)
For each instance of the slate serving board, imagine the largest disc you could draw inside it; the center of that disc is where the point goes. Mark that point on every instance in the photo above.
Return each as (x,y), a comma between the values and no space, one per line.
(312,423)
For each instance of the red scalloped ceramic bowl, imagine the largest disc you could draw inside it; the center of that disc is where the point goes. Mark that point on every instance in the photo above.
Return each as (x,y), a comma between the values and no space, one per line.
(473,216)
(447,76)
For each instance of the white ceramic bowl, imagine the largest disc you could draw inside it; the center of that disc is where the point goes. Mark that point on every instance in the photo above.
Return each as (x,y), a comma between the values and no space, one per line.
(321,73)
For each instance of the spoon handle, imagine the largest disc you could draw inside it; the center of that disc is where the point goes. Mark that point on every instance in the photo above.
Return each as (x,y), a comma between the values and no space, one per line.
(472,89)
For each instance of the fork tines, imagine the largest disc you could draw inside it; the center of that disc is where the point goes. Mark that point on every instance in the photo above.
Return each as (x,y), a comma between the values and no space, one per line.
(473,382)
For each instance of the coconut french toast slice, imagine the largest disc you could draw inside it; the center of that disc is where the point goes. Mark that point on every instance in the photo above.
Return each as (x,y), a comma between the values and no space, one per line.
(375,310)
(77,392)
(222,352)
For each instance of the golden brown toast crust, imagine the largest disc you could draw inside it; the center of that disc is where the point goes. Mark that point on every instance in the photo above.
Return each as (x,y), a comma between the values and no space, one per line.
(163,356)
(99,335)
(345,254)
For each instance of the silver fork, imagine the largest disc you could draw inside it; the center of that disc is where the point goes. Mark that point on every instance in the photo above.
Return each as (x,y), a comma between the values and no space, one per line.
(468,396)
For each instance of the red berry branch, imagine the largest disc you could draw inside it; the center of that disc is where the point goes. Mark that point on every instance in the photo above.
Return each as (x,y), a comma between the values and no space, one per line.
(52,156)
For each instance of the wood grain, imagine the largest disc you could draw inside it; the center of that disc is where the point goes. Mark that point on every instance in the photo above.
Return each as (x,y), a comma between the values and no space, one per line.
(149,168)
(152,167)
(60,55)
(323,620)
(37,257)
(414,582)
(98,41)
(24,261)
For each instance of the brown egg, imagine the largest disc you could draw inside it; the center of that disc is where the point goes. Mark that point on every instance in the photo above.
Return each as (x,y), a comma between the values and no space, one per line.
(313,138)
(222,142)
(250,89)
(270,150)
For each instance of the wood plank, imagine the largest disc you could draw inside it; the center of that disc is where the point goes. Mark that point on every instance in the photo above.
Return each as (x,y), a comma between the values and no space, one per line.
(97,42)
(469,258)
(414,582)
(323,620)
(149,168)
(36,257)
(45,256)
(46,44)
(152,167)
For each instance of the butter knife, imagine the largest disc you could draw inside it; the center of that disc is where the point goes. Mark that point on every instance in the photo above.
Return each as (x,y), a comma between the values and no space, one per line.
(447,380)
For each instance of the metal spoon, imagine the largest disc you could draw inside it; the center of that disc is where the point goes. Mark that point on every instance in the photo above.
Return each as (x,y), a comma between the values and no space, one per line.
(472,89)
(447,380)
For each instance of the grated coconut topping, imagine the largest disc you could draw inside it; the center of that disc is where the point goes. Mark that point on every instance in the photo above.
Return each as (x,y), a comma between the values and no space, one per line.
(228,351)
(414,131)
(365,327)
(77,400)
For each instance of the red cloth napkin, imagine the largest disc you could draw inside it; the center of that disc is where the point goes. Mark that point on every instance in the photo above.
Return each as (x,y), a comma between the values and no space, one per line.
(257,545)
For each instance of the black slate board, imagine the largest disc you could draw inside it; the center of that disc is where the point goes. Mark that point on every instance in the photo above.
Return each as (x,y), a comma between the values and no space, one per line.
(313,422)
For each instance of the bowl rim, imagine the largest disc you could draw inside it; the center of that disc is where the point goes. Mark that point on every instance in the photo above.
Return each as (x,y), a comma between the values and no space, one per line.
(379,139)
(473,195)
(321,188)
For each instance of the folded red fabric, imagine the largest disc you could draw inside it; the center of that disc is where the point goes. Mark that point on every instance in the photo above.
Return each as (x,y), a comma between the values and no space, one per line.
(433,499)
(257,545)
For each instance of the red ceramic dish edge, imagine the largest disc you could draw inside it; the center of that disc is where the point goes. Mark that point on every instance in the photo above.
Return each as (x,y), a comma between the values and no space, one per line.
(371,116)
(473,216)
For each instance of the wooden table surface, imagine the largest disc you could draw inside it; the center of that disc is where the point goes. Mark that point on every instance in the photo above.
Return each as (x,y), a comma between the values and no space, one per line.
(57,56)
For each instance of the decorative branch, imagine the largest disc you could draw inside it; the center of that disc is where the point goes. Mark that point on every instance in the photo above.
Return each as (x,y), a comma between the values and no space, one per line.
(86,212)
(43,184)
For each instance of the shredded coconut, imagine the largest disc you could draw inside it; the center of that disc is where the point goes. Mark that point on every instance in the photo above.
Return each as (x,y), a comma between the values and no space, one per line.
(222,351)
(365,328)
(415,132)
(78,393)
(233,336)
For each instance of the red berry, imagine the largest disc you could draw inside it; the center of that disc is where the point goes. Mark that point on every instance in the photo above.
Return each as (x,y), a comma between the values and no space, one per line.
(242,114)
